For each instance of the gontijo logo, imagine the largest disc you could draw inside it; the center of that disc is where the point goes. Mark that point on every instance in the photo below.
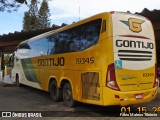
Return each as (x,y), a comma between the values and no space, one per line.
(134,24)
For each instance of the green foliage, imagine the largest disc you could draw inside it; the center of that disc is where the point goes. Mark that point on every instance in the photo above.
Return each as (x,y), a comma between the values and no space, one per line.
(55,26)
(11,5)
(33,13)
(26,21)
(30,19)
(7,60)
(63,24)
(34,19)
(44,14)
(33,8)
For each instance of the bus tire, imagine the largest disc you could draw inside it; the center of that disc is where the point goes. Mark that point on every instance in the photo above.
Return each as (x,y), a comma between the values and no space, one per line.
(67,95)
(17,81)
(55,92)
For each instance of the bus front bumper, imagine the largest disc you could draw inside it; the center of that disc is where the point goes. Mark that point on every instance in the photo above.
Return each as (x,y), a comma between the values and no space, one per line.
(112,97)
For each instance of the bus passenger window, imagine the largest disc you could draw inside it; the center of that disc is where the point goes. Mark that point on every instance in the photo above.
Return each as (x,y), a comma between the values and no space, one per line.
(23,51)
(43,47)
(85,35)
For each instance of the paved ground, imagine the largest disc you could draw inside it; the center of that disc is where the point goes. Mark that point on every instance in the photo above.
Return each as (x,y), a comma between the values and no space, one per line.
(6,81)
(24,99)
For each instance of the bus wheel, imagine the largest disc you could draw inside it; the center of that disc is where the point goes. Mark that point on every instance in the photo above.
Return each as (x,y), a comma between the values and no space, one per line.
(67,95)
(55,92)
(17,81)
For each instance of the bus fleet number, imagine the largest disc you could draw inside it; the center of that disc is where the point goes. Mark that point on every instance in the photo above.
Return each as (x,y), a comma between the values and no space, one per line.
(148,74)
(85,60)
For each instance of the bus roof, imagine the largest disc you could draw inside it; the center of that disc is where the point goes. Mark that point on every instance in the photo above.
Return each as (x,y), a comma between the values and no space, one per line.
(124,13)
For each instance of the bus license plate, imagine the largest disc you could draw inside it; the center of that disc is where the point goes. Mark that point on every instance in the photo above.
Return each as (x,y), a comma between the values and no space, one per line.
(139,96)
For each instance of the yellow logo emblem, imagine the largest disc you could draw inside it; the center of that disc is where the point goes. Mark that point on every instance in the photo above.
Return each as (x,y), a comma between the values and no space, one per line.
(134,24)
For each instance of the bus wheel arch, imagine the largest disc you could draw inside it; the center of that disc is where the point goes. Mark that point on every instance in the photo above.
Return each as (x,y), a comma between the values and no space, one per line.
(67,93)
(55,92)
(17,80)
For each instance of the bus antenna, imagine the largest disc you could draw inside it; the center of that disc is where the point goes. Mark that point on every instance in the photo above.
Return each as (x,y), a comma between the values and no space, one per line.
(79,9)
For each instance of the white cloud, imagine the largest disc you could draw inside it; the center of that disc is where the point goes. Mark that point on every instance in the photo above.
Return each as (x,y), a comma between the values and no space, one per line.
(67,11)
(63,10)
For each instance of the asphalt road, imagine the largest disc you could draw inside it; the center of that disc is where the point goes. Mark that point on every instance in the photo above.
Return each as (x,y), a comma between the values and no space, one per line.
(27,99)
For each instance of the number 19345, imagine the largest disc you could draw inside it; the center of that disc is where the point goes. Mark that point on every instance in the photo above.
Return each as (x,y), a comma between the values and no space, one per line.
(89,60)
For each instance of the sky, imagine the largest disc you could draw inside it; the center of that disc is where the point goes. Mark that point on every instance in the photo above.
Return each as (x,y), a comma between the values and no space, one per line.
(68,11)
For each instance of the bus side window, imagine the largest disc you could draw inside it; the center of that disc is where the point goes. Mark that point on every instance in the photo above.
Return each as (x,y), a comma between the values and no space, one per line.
(43,46)
(23,51)
(85,35)
(51,44)
(103,26)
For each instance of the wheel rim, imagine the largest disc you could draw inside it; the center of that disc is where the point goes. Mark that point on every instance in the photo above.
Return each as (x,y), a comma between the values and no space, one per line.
(68,94)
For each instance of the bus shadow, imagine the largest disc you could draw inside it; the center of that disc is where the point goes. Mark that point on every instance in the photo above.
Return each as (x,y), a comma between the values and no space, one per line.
(97,111)
(81,109)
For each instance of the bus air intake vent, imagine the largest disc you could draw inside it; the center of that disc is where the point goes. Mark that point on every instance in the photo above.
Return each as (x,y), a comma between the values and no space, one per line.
(134,55)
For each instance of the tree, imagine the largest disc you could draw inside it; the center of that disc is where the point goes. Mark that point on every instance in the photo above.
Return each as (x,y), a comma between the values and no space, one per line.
(26,21)
(11,5)
(33,12)
(63,24)
(55,26)
(7,60)
(30,19)
(34,19)
(44,14)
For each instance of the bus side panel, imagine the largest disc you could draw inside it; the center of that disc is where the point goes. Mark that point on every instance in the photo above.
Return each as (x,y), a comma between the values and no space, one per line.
(20,72)
(106,57)
(102,59)
(30,72)
(77,86)
(30,69)
(66,75)
(106,49)
(45,75)
(27,71)
(87,85)
(15,69)
(45,72)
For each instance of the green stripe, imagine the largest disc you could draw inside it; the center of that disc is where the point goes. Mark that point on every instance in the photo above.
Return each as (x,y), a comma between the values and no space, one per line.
(29,70)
